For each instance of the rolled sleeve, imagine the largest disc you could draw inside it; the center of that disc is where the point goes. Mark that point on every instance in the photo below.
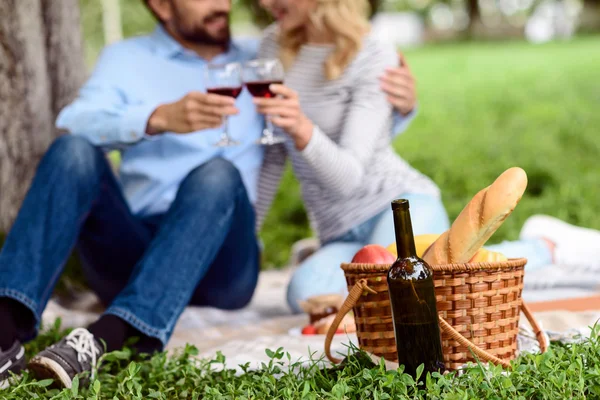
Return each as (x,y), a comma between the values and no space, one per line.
(134,123)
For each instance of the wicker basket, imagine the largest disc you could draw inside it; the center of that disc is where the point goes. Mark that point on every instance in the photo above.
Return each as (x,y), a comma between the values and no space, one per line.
(478,304)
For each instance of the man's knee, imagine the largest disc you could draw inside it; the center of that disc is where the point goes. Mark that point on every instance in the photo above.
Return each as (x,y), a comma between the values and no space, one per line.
(73,154)
(217,176)
(241,299)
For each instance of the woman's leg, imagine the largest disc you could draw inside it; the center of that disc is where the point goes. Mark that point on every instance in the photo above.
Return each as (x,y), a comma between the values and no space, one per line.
(427,214)
(321,273)
(536,251)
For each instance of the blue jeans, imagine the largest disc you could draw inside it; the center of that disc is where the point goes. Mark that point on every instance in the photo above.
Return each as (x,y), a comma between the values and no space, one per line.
(202,251)
(321,272)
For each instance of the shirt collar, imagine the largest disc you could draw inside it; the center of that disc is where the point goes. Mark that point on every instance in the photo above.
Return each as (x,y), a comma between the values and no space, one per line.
(169,47)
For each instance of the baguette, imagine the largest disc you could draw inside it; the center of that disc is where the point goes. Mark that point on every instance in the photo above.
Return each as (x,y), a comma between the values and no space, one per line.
(478,221)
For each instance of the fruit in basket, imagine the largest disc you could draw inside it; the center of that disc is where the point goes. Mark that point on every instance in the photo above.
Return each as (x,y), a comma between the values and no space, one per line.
(373,254)
(422,242)
(485,255)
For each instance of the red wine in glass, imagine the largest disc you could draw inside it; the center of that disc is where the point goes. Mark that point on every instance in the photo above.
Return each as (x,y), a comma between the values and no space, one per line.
(258,76)
(262,88)
(224,80)
(226,91)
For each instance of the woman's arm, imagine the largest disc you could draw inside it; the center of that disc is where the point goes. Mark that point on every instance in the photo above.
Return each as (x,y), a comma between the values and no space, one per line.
(340,166)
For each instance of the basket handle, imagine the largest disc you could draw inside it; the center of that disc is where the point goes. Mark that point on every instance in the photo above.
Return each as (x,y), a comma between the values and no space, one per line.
(484,355)
(357,290)
(539,334)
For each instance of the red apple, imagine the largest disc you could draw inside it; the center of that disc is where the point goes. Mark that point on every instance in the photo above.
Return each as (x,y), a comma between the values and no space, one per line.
(373,254)
(309,330)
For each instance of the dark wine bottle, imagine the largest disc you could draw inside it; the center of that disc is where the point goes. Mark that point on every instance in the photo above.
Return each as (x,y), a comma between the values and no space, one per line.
(412,297)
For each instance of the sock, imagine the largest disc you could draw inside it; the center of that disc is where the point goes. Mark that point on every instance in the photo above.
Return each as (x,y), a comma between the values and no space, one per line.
(10,331)
(145,344)
(115,332)
(110,329)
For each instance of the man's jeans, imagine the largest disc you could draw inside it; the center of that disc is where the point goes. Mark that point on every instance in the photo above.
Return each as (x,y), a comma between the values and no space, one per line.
(202,251)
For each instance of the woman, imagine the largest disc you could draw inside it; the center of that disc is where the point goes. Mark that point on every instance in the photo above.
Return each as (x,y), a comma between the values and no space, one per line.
(337,122)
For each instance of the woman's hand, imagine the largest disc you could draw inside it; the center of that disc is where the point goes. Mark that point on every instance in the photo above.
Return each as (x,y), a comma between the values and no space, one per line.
(284,112)
(399,84)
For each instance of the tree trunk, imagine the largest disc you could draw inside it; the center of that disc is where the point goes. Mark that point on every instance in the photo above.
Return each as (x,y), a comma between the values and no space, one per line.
(41,68)
(474,17)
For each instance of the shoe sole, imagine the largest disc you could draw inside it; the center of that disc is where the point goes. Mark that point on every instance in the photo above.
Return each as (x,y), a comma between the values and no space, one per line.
(46,368)
(16,367)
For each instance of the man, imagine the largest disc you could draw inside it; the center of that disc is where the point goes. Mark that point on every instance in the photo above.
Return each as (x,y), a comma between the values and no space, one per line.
(178,226)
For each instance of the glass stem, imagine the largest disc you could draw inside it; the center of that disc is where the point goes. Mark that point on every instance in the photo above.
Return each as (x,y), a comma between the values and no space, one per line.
(269,130)
(225,134)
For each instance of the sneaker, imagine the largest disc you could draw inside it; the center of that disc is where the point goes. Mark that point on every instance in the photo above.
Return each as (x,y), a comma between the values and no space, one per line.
(576,247)
(75,354)
(11,360)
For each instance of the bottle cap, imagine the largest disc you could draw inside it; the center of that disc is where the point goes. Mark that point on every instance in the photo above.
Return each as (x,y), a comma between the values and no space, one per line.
(400,204)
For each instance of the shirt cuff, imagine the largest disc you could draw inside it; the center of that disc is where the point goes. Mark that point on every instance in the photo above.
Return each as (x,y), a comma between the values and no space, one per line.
(312,148)
(135,122)
(401,122)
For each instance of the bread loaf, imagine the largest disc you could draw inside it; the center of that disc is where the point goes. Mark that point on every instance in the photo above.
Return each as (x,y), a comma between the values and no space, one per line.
(478,221)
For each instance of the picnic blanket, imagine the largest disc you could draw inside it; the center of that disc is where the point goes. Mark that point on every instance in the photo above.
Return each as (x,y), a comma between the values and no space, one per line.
(242,336)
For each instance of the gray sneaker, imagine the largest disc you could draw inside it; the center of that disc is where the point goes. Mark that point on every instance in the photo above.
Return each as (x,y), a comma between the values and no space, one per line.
(75,354)
(11,360)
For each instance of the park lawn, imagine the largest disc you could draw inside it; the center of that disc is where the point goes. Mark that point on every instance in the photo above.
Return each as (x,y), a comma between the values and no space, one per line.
(485,107)
(565,371)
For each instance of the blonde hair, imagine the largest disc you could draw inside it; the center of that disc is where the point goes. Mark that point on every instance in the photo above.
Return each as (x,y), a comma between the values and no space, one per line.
(345,20)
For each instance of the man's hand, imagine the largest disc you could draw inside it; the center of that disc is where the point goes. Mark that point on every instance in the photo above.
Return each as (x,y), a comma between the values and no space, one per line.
(284,112)
(399,84)
(194,112)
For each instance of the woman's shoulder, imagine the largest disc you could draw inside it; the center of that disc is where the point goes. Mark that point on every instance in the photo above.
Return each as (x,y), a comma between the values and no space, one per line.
(376,53)
(271,32)
(269,44)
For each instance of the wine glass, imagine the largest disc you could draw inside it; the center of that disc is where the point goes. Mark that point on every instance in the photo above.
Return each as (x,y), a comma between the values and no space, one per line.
(224,80)
(258,75)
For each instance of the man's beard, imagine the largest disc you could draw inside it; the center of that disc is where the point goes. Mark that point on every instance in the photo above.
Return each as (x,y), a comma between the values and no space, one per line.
(197,33)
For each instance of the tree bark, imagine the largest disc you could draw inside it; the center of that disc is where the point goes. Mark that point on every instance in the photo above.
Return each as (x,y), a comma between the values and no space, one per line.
(474,17)
(41,68)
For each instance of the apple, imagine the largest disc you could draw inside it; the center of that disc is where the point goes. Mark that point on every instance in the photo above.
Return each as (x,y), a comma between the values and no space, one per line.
(309,330)
(373,254)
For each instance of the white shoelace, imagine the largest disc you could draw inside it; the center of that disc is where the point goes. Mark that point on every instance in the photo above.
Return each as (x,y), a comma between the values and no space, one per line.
(82,341)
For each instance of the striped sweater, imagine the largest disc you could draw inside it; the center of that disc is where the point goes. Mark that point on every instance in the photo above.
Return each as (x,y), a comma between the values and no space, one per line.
(349,171)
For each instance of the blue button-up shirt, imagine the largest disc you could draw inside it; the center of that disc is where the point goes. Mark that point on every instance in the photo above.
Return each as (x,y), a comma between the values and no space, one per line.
(130,80)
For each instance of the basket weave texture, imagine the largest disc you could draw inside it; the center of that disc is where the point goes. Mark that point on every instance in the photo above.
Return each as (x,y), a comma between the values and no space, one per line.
(479,305)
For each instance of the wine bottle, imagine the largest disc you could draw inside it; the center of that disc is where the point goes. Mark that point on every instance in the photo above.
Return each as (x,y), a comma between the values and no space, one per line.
(412,297)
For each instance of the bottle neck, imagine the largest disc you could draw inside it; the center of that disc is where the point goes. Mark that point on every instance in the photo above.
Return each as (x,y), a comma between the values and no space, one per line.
(405,240)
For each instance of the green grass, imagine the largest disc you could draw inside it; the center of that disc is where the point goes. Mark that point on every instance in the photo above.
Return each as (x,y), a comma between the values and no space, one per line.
(570,371)
(483,108)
